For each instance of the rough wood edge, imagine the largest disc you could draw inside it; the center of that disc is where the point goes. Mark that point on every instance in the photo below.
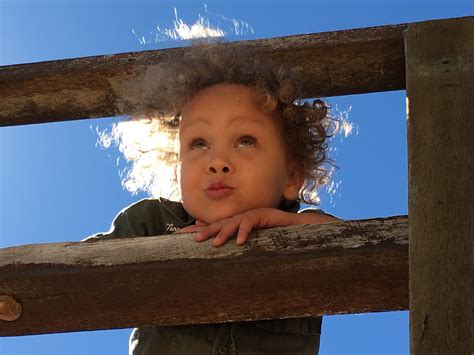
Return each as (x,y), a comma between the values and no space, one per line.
(440,87)
(333,63)
(309,270)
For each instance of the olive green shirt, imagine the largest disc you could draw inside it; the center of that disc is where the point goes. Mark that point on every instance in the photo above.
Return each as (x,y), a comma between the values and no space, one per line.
(152,217)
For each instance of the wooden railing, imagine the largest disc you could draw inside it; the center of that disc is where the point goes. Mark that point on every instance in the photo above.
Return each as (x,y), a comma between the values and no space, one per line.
(346,267)
(333,63)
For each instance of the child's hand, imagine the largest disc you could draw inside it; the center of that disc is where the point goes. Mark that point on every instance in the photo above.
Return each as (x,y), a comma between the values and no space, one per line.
(241,223)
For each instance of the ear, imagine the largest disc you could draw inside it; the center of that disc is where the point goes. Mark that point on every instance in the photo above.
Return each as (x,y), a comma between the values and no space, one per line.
(294,182)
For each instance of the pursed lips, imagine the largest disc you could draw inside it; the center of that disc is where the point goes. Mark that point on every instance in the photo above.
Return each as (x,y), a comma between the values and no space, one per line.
(218,190)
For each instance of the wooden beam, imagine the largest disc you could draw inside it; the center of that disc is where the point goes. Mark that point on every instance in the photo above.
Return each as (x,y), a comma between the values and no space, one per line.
(440,92)
(309,270)
(332,63)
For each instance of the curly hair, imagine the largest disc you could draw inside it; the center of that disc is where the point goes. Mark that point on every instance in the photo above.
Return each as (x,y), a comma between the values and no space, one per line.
(152,146)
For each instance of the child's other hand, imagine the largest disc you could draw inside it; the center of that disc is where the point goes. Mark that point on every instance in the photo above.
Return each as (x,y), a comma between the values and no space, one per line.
(241,224)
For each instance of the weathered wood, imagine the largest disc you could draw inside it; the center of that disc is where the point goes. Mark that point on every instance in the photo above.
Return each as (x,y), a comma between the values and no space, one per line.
(440,92)
(332,63)
(310,270)
(10,309)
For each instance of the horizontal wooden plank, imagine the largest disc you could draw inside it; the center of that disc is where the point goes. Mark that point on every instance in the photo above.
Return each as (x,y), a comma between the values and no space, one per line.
(309,270)
(333,63)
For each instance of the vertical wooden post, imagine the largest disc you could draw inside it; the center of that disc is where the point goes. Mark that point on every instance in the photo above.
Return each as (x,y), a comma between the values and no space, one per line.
(440,80)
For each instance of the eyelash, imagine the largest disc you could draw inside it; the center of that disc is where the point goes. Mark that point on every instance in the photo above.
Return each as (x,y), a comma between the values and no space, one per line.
(197,140)
(249,138)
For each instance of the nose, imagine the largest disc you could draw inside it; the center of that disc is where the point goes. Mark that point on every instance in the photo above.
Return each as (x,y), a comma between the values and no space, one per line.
(219,165)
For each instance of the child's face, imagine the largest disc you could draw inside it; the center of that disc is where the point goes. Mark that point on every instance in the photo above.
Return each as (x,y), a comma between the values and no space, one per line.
(232,154)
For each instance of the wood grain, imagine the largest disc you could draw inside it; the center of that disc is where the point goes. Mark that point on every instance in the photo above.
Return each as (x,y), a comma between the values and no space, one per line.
(332,63)
(308,270)
(440,92)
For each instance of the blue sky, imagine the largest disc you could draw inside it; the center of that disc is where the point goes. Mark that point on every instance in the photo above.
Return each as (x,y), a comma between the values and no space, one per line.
(56,185)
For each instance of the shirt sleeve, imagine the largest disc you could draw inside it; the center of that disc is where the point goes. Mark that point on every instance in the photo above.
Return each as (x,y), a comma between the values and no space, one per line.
(316,210)
(133,221)
(122,226)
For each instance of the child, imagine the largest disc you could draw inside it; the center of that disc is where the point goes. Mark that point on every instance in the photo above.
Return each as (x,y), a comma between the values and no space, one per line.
(248,154)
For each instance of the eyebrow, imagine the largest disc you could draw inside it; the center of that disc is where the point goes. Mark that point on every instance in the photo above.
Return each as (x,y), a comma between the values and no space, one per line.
(197,121)
(245,120)
(238,119)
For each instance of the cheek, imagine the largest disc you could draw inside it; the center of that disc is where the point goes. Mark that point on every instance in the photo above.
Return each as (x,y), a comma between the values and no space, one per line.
(186,186)
(268,179)
(183,168)
(189,175)
(276,177)
(184,174)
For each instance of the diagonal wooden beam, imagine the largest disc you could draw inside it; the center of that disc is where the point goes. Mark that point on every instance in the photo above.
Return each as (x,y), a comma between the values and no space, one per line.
(310,270)
(332,63)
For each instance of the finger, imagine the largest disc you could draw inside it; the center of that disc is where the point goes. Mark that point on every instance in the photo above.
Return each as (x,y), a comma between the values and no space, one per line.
(190,229)
(227,231)
(208,231)
(200,223)
(244,229)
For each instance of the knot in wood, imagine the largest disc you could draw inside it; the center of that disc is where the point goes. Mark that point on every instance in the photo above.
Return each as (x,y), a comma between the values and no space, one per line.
(10,308)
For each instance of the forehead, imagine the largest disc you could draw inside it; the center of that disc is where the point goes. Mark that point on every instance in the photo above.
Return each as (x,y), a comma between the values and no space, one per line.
(214,95)
(226,104)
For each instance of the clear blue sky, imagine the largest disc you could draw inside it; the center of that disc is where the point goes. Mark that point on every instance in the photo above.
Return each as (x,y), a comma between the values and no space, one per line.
(55,185)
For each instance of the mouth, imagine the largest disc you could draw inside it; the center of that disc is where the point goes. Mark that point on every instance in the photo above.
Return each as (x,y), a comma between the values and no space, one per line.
(217,191)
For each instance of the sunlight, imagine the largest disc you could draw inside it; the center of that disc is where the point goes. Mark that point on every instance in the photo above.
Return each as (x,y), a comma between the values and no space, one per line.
(202,28)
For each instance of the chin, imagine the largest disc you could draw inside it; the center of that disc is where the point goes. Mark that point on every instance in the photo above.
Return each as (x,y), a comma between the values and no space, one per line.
(211,217)
(217,211)
(216,217)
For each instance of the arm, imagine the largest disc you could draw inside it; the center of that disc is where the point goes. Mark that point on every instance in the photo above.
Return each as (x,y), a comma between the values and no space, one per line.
(245,222)
(310,216)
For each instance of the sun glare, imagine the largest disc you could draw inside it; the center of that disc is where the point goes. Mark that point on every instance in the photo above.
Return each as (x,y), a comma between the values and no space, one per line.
(202,28)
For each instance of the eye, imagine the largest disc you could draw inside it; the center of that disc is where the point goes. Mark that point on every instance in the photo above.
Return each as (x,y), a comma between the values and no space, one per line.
(246,141)
(198,144)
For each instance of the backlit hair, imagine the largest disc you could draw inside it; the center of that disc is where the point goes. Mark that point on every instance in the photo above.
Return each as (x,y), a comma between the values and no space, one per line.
(149,139)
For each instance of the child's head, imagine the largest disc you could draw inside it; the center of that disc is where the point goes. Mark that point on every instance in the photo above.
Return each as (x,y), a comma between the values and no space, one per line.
(277,141)
(233,155)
